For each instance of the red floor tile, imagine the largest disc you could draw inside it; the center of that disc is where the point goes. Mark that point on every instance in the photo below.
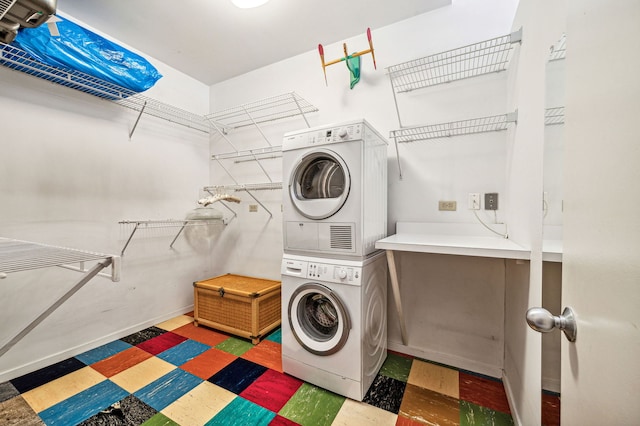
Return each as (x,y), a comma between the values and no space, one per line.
(550,409)
(483,391)
(161,343)
(272,390)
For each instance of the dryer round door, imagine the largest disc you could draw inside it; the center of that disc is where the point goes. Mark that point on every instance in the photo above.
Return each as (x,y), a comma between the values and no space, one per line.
(318,319)
(319,184)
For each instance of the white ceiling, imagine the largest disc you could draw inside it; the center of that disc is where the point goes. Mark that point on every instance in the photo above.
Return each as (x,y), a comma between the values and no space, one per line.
(212,40)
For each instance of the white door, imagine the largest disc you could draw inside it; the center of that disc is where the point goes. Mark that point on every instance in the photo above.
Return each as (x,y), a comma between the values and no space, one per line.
(601,265)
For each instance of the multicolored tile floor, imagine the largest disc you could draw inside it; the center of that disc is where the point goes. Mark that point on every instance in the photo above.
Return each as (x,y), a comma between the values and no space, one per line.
(179,374)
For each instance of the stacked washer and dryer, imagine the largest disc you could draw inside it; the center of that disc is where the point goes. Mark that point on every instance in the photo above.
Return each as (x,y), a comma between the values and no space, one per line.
(334,281)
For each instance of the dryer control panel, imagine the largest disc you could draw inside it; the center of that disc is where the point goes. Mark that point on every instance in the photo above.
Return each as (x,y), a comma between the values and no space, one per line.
(323,272)
(344,133)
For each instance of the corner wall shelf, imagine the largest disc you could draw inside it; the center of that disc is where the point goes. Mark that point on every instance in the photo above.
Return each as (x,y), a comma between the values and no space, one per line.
(19,60)
(17,256)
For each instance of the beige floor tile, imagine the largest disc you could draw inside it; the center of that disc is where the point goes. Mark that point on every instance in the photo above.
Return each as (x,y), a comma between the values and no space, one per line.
(199,405)
(354,413)
(435,377)
(138,376)
(176,322)
(60,389)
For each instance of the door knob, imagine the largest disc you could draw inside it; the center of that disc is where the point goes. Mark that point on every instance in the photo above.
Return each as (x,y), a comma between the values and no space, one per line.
(543,321)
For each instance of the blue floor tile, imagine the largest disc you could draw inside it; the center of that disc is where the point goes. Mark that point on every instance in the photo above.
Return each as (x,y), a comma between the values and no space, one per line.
(238,375)
(83,405)
(276,336)
(164,391)
(103,352)
(183,352)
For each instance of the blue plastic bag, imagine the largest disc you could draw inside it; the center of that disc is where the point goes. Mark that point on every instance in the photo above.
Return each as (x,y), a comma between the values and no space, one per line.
(77,48)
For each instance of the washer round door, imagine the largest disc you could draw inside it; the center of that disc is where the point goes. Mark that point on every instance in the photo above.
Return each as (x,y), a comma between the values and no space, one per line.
(319,184)
(318,319)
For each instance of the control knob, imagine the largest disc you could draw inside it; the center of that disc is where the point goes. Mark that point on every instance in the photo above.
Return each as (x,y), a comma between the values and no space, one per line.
(342,133)
(342,274)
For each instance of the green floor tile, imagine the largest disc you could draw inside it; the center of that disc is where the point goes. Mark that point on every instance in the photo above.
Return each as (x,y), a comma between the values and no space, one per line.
(160,420)
(312,406)
(475,415)
(397,367)
(235,346)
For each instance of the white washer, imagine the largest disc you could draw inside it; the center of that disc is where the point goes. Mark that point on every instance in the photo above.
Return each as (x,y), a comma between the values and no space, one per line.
(335,190)
(334,321)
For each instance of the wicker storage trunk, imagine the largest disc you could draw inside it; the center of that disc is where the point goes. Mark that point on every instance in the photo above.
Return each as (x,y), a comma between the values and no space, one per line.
(244,306)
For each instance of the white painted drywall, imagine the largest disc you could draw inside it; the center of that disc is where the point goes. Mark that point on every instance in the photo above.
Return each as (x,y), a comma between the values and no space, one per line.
(454,305)
(68,175)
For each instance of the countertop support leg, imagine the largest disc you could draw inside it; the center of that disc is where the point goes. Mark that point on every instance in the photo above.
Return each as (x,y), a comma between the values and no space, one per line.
(393,273)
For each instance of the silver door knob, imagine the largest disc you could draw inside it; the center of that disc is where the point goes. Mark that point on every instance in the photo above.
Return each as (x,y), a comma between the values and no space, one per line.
(543,321)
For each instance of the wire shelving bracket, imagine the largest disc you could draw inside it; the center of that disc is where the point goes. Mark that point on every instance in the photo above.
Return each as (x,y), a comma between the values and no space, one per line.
(19,60)
(248,188)
(559,50)
(16,256)
(255,114)
(554,115)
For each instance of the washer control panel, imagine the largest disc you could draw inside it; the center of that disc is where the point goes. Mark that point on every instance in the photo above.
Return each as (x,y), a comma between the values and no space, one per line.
(326,272)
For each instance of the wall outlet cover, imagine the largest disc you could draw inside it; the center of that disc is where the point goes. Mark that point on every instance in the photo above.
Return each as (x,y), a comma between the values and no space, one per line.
(449,206)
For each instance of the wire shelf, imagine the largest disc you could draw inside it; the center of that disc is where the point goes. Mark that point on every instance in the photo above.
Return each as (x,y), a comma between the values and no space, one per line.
(245,187)
(493,123)
(559,50)
(262,111)
(554,116)
(464,62)
(16,256)
(19,60)
(257,153)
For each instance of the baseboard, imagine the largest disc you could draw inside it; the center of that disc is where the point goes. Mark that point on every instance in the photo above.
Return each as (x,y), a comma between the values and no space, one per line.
(448,359)
(551,384)
(71,352)
(517,421)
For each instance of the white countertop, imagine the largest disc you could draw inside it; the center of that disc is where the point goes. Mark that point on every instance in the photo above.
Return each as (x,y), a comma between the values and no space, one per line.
(452,238)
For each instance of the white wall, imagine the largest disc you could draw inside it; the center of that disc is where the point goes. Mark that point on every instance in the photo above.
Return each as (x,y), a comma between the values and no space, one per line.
(543,24)
(453,317)
(68,175)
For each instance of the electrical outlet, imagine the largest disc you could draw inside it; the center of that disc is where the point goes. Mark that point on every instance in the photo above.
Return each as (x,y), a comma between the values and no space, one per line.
(474,201)
(449,206)
(253,208)
(491,201)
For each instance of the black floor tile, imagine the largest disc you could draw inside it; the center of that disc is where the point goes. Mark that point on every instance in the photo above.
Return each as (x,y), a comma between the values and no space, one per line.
(142,336)
(128,412)
(238,375)
(44,375)
(386,393)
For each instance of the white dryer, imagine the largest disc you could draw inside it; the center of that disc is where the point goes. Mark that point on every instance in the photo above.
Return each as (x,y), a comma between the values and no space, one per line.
(335,190)
(334,322)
